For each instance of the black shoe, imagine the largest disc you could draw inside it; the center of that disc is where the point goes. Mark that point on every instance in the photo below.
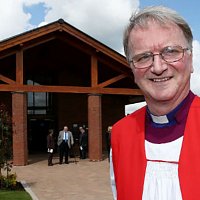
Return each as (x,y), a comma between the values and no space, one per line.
(66,162)
(50,164)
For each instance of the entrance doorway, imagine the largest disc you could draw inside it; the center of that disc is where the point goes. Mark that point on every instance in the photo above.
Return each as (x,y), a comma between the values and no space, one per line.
(37,134)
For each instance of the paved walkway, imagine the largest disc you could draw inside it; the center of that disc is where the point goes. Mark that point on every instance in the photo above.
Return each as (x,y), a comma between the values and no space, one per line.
(75,181)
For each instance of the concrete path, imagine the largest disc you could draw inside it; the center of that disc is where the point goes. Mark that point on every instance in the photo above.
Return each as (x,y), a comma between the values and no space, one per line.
(75,181)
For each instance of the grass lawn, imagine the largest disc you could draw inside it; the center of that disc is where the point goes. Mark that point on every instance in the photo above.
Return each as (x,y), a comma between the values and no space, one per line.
(14,195)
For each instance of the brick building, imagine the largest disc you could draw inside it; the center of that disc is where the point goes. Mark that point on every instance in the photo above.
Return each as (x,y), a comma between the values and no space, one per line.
(57,75)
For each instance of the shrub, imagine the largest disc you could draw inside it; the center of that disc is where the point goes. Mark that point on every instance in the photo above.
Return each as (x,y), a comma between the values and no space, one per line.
(8,182)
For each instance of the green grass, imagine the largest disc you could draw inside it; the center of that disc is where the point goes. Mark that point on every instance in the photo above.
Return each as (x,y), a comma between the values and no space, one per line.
(14,195)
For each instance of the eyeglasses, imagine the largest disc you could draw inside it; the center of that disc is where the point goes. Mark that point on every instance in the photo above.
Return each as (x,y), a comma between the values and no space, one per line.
(169,54)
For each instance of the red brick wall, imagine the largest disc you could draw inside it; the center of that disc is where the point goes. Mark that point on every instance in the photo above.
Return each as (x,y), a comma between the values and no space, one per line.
(19,118)
(95,127)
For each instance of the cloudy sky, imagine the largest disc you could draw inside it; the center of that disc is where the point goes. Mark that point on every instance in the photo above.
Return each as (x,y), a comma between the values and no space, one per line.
(102,19)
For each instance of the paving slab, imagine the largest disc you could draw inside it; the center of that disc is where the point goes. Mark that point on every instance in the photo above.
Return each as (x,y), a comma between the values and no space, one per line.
(78,180)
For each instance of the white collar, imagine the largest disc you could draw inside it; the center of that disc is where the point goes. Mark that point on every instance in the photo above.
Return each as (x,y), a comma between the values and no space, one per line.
(159,119)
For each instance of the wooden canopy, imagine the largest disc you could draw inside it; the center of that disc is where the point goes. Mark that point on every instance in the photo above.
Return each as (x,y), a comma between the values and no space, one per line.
(108,72)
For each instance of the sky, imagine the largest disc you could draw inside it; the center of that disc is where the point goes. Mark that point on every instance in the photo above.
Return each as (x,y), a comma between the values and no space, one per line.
(103,20)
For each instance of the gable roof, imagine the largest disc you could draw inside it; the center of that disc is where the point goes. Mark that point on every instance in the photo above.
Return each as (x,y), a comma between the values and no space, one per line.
(51,31)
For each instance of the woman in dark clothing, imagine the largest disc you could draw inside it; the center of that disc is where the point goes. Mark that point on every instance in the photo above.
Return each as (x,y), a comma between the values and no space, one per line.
(50,147)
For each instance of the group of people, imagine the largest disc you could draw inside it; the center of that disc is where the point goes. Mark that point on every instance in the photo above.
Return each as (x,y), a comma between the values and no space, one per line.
(65,142)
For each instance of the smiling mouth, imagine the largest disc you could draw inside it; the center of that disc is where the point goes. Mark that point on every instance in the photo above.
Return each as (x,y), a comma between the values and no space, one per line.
(160,79)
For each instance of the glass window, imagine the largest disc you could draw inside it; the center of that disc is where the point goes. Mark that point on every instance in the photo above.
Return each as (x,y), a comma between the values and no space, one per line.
(38,102)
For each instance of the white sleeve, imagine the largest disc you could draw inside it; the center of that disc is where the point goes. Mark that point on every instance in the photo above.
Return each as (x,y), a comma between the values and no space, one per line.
(112,178)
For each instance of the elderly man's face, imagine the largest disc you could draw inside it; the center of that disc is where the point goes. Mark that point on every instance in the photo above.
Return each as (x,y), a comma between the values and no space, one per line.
(161,82)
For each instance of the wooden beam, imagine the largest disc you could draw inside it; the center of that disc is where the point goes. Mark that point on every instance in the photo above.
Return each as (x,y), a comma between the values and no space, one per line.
(112,80)
(30,35)
(78,45)
(6,79)
(69,89)
(123,69)
(19,67)
(94,71)
(95,44)
(25,46)
(37,43)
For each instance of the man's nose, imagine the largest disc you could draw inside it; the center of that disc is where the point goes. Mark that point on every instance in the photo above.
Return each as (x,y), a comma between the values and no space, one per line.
(158,64)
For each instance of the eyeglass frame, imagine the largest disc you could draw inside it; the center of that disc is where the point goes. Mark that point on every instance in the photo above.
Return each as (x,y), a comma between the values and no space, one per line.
(151,55)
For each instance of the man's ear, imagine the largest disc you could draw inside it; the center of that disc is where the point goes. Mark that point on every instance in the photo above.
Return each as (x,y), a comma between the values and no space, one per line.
(191,63)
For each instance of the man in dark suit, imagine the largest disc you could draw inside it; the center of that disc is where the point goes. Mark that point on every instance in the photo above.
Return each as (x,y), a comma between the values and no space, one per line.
(83,142)
(65,142)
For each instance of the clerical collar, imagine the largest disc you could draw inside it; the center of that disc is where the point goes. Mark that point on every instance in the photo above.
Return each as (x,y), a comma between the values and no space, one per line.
(159,119)
(159,129)
(170,118)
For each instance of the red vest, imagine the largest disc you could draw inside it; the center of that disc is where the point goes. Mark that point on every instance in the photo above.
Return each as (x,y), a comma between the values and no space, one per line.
(129,159)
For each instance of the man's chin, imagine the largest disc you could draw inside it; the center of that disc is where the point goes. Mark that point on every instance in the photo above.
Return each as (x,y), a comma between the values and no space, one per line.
(162,97)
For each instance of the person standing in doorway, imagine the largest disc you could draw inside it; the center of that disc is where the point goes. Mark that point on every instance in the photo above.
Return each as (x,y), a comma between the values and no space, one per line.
(83,141)
(108,137)
(50,147)
(65,142)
